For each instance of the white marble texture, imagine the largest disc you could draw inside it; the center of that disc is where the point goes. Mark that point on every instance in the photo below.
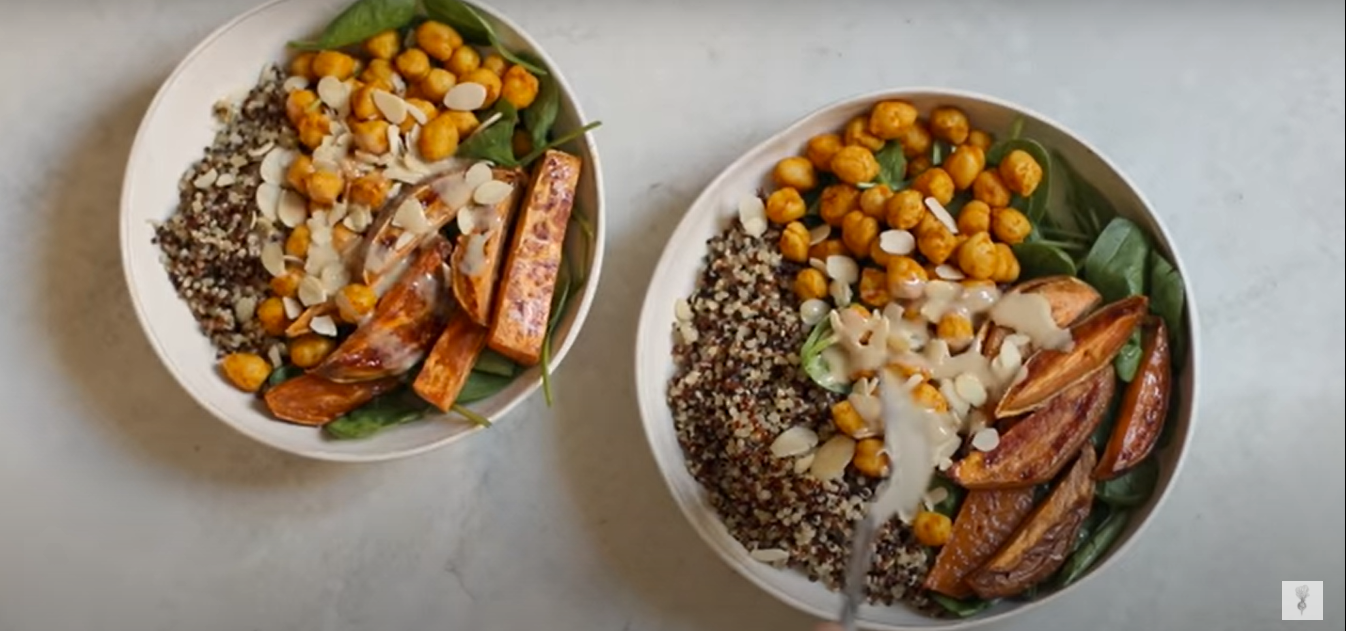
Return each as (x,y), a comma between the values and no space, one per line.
(124,506)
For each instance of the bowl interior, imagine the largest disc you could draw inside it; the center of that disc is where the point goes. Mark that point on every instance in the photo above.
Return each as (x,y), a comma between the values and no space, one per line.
(175,131)
(682,261)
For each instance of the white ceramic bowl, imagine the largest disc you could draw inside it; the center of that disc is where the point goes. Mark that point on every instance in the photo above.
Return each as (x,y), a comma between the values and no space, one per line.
(176,129)
(681,263)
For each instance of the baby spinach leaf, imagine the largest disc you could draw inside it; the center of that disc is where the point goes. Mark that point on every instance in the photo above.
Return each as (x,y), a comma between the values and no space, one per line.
(811,357)
(495,143)
(1127,361)
(1093,211)
(360,21)
(1132,488)
(961,608)
(1167,294)
(1035,207)
(280,375)
(813,199)
(951,502)
(1016,128)
(539,117)
(938,151)
(481,385)
(1097,515)
(1115,265)
(556,142)
(474,28)
(560,296)
(1094,549)
(1103,432)
(496,364)
(394,408)
(892,165)
(1038,259)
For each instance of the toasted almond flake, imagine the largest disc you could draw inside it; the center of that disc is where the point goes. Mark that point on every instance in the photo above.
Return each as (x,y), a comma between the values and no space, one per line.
(957,404)
(755,227)
(819,233)
(467,222)
(334,93)
(478,174)
(803,463)
(970,388)
(395,146)
(391,106)
(311,292)
(454,192)
(897,242)
(338,212)
(934,496)
(818,264)
(682,310)
(294,83)
(465,97)
(492,192)
(410,216)
(207,179)
(793,442)
(273,258)
(868,407)
(292,210)
(292,307)
(937,209)
(865,387)
(320,255)
(843,268)
(750,208)
(830,461)
(417,114)
(244,308)
(864,186)
(400,86)
(225,179)
(812,311)
(334,276)
(323,325)
(264,150)
(403,175)
(403,240)
(268,199)
(770,555)
(949,272)
(276,355)
(986,439)
(688,333)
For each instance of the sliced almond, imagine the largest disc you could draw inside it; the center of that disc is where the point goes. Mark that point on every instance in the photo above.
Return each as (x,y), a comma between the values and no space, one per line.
(273,258)
(492,192)
(275,355)
(292,307)
(334,93)
(937,209)
(841,292)
(682,310)
(207,179)
(465,97)
(274,165)
(755,227)
(819,233)
(986,440)
(334,277)
(403,175)
(467,222)
(395,146)
(410,216)
(793,442)
(358,218)
(818,264)
(934,496)
(751,208)
(897,242)
(295,83)
(770,555)
(262,150)
(455,192)
(324,326)
(391,106)
(320,255)
(688,333)
(268,199)
(843,268)
(813,311)
(291,210)
(803,463)
(970,388)
(417,114)
(478,174)
(311,292)
(225,179)
(244,308)
(403,240)
(831,460)
(949,272)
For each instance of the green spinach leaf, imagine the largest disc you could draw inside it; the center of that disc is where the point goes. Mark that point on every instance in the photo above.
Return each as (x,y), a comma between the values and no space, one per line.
(1127,361)
(1167,296)
(481,385)
(495,143)
(1115,265)
(1132,488)
(1094,549)
(560,295)
(539,117)
(360,21)
(394,408)
(813,199)
(939,150)
(1035,207)
(1103,432)
(474,28)
(280,375)
(961,608)
(952,501)
(811,357)
(1038,259)
(494,363)
(892,165)
(1092,211)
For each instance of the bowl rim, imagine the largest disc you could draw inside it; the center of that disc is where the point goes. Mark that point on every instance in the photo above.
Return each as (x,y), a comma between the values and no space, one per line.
(139,147)
(684,230)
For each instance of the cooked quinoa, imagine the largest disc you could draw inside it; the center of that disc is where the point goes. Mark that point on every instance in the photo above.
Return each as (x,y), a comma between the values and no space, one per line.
(738,386)
(209,246)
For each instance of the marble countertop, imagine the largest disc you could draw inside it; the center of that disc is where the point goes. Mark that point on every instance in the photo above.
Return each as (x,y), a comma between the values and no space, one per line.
(125,506)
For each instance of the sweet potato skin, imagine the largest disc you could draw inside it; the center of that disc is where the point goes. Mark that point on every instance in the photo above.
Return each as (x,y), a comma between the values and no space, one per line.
(447,367)
(523,300)
(1144,406)
(985,521)
(476,292)
(312,400)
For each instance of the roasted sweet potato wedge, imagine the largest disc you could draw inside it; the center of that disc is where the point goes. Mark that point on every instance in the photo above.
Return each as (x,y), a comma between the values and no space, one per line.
(405,323)
(1042,542)
(387,243)
(523,301)
(1036,448)
(477,259)
(450,361)
(1069,299)
(312,400)
(1144,406)
(1097,338)
(985,522)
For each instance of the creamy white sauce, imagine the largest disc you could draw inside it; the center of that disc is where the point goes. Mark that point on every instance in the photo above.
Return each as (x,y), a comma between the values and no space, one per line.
(910,448)
(1031,315)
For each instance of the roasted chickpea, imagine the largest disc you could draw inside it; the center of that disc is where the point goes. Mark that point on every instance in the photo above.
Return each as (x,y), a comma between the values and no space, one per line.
(848,421)
(810,284)
(424,106)
(929,397)
(932,529)
(495,63)
(518,86)
(384,45)
(486,78)
(870,459)
(935,183)
(313,127)
(370,190)
(936,243)
(437,39)
(794,172)
(858,232)
(980,139)
(378,71)
(413,91)
(874,287)
(302,65)
(874,199)
(1010,225)
(521,142)
(820,150)
(371,136)
(436,84)
(889,118)
(1006,264)
(918,165)
(915,139)
(964,165)
(854,164)
(354,302)
(332,63)
(298,104)
(271,315)
(837,201)
(1020,172)
(344,238)
(956,330)
(974,217)
(990,190)
(439,139)
(827,247)
(906,277)
(297,175)
(413,63)
(464,59)
(247,371)
(794,242)
(976,256)
(324,187)
(297,243)
(877,254)
(904,210)
(949,124)
(308,350)
(857,133)
(905,371)
(785,205)
(464,122)
(286,286)
(362,103)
